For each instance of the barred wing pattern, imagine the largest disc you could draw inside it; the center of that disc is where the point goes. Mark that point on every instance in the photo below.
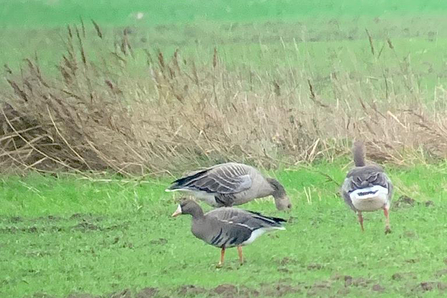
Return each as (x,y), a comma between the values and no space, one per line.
(237,226)
(231,235)
(250,219)
(223,179)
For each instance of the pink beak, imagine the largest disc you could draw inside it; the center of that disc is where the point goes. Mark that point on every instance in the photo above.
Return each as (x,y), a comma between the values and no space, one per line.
(177,212)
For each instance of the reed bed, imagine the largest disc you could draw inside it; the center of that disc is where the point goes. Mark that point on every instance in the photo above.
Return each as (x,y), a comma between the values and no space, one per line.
(107,111)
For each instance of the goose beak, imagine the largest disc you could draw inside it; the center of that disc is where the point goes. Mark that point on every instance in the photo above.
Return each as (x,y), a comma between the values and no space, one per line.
(283,203)
(177,212)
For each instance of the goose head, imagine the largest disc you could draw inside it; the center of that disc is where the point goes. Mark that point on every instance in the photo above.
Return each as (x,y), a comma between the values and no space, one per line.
(190,207)
(282,201)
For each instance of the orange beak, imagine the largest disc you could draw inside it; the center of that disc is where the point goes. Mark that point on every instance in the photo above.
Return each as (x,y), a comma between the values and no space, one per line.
(177,212)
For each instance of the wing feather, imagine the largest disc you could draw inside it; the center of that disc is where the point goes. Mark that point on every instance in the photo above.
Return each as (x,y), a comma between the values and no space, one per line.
(251,220)
(224,179)
(345,190)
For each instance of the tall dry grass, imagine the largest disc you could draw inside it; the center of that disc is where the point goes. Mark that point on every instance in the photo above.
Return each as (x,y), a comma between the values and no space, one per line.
(103,112)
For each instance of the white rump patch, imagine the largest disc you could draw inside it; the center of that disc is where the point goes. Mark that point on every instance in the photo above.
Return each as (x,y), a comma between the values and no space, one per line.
(255,234)
(370,198)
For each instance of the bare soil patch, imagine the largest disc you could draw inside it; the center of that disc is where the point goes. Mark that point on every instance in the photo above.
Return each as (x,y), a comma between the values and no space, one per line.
(407,202)
(190,290)
(314,266)
(82,295)
(288,261)
(86,226)
(378,288)
(404,201)
(147,293)
(427,286)
(403,275)
(123,294)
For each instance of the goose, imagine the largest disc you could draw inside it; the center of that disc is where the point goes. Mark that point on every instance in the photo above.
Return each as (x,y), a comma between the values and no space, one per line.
(229,184)
(227,226)
(367,187)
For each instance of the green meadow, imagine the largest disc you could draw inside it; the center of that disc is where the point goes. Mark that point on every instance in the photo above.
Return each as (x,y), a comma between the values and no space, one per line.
(102,235)
(319,37)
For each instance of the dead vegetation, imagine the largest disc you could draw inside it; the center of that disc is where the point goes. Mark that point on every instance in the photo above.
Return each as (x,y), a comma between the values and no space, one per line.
(107,111)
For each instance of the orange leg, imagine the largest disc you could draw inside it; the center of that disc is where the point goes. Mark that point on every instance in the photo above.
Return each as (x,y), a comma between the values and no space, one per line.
(222,257)
(241,256)
(359,214)
(387,220)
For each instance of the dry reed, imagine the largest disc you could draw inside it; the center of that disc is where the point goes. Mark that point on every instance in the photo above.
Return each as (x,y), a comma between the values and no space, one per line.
(99,116)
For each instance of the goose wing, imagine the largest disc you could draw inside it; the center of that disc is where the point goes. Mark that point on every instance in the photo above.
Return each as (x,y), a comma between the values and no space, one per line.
(230,234)
(345,192)
(223,179)
(249,219)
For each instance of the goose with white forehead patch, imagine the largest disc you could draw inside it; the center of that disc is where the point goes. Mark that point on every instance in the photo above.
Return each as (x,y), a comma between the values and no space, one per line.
(367,187)
(227,227)
(230,184)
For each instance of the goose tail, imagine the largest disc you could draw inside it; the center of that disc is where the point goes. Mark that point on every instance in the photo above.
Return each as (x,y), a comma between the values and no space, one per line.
(358,151)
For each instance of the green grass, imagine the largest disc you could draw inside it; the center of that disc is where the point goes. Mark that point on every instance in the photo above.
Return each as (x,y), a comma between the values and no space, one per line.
(319,38)
(117,12)
(73,235)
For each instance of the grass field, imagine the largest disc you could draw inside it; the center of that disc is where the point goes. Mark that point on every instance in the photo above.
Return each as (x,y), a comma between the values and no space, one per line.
(88,235)
(319,38)
(72,235)
(44,13)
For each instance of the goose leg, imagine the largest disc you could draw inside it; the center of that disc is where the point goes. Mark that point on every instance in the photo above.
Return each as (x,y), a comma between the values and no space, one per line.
(241,256)
(387,220)
(222,257)
(360,216)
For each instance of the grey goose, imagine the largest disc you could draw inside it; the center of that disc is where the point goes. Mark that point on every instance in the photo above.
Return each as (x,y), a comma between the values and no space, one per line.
(227,227)
(367,187)
(229,184)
